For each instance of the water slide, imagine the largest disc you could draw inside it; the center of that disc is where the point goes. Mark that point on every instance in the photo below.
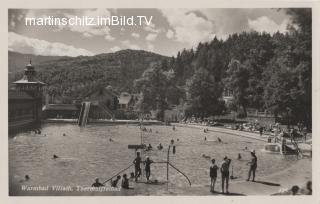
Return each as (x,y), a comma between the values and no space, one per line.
(84,114)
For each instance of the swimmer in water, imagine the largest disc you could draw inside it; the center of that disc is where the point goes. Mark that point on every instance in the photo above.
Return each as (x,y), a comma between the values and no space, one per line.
(111,140)
(206,156)
(97,183)
(64,134)
(26,178)
(55,156)
(132,175)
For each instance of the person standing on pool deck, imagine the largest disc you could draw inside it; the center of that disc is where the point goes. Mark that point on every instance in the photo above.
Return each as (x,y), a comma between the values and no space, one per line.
(253,166)
(213,174)
(148,162)
(225,173)
(137,169)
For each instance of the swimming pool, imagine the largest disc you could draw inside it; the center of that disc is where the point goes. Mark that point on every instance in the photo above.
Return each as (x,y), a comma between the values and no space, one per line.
(87,153)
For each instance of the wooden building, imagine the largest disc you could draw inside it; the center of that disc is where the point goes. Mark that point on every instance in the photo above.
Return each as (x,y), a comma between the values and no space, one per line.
(25,102)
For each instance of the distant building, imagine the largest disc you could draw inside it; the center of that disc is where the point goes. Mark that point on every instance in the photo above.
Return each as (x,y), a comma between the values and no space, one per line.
(25,102)
(173,115)
(227,96)
(70,111)
(126,101)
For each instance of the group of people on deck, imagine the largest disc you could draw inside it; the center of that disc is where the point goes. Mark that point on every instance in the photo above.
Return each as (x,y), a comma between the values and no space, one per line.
(225,174)
(137,173)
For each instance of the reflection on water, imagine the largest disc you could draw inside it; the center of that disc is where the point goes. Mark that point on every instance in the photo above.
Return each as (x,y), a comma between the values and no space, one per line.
(87,153)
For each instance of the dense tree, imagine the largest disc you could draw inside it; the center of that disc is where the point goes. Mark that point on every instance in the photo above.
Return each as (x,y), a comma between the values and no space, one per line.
(288,77)
(238,81)
(153,86)
(204,94)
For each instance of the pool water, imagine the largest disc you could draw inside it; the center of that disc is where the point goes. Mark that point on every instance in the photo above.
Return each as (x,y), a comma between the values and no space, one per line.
(86,153)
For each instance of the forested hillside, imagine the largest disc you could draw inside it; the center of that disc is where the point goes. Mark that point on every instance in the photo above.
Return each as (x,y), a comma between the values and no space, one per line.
(73,77)
(266,72)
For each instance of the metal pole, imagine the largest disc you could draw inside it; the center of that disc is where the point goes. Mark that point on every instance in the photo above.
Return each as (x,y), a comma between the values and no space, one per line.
(168,165)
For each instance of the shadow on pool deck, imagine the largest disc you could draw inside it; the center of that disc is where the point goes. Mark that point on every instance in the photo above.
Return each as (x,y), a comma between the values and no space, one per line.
(267,183)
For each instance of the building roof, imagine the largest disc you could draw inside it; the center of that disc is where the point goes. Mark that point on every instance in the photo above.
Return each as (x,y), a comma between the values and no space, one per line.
(25,80)
(124,98)
(19,95)
(70,107)
(102,90)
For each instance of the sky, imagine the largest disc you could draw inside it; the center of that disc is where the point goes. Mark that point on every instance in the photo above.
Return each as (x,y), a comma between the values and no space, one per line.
(170,30)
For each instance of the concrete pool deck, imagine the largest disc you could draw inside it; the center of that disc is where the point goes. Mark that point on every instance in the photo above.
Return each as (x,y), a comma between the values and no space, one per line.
(250,135)
(297,174)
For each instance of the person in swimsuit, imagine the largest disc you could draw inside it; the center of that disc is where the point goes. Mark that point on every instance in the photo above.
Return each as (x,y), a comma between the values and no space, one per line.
(147,163)
(97,183)
(137,168)
(225,173)
(115,182)
(253,166)
(125,182)
(213,174)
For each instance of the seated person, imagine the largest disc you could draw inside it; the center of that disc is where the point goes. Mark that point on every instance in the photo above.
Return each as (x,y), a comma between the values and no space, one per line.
(97,183)
(125,182)
(115,182)
(149,147)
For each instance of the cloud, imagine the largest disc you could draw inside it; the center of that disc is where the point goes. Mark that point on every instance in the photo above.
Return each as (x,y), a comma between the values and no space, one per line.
(152,28)
(23,44)
(235,20)
(188,27)
(150,47)
(109,38)
(115,49)
(135,35)
(88,31)
(170,34)
(265,24)
(151,36)
(129,45)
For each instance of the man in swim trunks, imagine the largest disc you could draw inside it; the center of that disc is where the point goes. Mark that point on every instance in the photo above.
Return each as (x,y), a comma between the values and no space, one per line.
(213,174)
(147,163)
(253,166)
(225,173)
(137,168)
